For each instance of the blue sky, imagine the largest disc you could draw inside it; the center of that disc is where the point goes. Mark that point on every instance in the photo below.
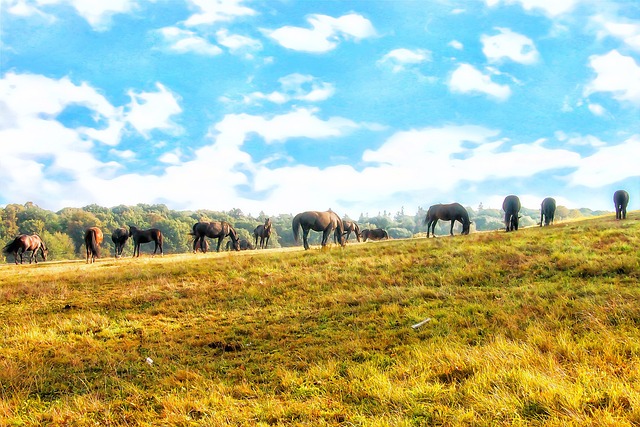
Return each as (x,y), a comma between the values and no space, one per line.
(285,106)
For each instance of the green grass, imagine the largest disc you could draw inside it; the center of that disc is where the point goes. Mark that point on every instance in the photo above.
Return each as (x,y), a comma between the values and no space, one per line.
(536,327)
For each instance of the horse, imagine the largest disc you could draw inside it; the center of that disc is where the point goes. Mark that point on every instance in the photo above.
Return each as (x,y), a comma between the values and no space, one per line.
(214,229)
(451,212)
(24,243)
(119,238)
(621,200)
(547,210)
(375,234)
(244,245)
(350,227)
(92,240)
(511,206)
(145,236)
(325,222)
(263,232)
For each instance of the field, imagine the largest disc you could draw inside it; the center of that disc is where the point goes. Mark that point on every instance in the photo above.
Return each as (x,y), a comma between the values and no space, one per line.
(535,327)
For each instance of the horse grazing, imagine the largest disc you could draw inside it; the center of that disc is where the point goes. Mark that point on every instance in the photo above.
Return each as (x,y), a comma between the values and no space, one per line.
(214,229)
(92,240)
(547,210)
(145,236)
(263,232)
(511,206)
(244,245)
(375,234)
(350,227)
(325,222)
(452,212)
(119,238)
(621,200)
(24,243)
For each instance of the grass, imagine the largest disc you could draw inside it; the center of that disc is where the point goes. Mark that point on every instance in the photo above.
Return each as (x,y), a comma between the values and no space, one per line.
(537,327)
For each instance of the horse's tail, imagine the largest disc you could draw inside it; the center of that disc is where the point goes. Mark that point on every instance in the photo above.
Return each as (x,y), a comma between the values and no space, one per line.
(295,224)
(193,230)
(95,248)
(11,247)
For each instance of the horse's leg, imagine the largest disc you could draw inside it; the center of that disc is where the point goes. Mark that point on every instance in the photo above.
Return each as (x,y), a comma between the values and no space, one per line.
(305,237)
(453,221)
(219,243)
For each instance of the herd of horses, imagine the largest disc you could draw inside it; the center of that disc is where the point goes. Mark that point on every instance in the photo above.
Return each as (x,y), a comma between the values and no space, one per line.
(327,223)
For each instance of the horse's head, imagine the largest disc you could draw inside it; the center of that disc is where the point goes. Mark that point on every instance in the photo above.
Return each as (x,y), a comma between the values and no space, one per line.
(132,229)
(466,225)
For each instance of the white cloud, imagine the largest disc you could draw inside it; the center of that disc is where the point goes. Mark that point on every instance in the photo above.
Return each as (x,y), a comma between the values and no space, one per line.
(97,13)
(185,41)
(213,11)
(596,109)
(400,59)
(551,8)
(510,45)
(617,74)
(609,165)
(627,31)
(456,44)
(325,33)
(299,87)
(467,79)
(148,111)
(237,43)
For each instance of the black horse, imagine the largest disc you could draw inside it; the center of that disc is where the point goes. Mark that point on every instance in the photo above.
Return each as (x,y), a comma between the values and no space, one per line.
(262,232)
(621,200)
(145,236)
(452,212)
(375,234)
(215,229)
(244,245)
(325,222)
(24,243)
(92,240)
(119,238)
(547,210)
(511,206)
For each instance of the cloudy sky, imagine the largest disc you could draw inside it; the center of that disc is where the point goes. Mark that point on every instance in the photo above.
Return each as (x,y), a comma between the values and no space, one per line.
(282,106)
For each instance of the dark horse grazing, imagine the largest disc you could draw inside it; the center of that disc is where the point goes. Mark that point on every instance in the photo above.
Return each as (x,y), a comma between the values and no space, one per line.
(145,236)
(263,232)
(92,240)
(326,222)
(119,238)
(375,234)
(452,212)
(24,243)
(244,245)
(511,206)
(351,227)
(214,229)
(621,200)
(547,210)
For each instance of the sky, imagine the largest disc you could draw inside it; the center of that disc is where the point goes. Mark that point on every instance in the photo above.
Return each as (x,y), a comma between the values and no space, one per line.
(283,106)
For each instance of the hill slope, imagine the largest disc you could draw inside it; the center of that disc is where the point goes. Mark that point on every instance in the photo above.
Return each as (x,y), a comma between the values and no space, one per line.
(536,326)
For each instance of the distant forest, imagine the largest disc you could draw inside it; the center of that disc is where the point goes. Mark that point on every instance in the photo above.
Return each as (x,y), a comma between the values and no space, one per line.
(63,231)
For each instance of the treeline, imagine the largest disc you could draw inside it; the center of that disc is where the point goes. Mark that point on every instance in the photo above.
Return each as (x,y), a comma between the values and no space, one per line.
(63,231)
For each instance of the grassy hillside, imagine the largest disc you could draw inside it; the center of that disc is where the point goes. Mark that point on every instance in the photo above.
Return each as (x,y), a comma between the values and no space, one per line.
(536,327)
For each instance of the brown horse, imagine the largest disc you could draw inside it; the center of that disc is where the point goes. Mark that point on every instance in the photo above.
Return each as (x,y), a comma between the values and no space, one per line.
(621,200)
(24,243)
(213,230)
(145,236)
(325,222)
(263,231)
(351,227)
(452,212)
(92,240)
(375,234)
(244,245)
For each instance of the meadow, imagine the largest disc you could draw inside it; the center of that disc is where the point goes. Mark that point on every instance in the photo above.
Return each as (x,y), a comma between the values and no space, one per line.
(535,327)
